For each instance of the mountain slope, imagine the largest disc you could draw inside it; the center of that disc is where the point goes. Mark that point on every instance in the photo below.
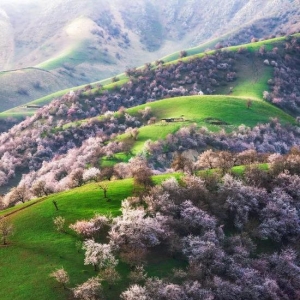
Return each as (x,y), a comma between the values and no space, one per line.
(91,128)
(68,124)
(91,40)
(6,40)
(252,76)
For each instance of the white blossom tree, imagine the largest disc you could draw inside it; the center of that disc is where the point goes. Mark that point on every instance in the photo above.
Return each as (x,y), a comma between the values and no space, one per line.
(91,174)
(89,290)
(136,229)
(279,218)
(18,194)
(135,292)
(91,227)
(59,223)
(195,218)
(207,160)
(99,255)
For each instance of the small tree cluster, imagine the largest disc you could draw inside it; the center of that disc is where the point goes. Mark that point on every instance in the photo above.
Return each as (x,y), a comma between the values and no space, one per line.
(59,223)
(90,228)
(61,276)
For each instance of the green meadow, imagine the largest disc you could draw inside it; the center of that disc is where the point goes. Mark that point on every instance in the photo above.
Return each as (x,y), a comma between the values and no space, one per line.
(197,109)
(36,249)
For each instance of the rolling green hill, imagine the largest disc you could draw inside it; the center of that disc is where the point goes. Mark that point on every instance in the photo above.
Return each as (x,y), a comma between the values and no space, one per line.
(230,112)
(41,249)
(252,76)
(36,249)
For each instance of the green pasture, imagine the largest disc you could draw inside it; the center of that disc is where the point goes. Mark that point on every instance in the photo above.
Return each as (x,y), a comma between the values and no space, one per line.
(233,110)
(210,45)
(196,110)
(36,249)
(251,47)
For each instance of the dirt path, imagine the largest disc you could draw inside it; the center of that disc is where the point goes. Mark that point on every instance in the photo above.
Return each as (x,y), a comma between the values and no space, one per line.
(25,207)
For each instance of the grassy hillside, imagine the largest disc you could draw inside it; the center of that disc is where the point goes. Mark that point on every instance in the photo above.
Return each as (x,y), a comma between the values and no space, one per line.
(86,42)
(199,109)
(41,249)
(19,86)
(36,249)
(252,76)
(215,111)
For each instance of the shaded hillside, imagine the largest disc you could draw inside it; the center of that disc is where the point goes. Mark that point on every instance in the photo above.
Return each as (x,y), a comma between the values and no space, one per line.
(88,41)
(6,40)
(15,91)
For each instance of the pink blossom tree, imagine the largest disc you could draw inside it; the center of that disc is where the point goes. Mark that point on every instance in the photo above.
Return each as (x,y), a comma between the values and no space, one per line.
(99,255)
(135,292)
(89,290)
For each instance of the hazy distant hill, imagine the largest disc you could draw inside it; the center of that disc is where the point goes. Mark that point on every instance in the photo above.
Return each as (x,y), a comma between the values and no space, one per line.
(83,41)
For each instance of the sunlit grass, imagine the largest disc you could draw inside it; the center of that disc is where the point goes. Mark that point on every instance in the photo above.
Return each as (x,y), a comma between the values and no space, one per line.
(36,249)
